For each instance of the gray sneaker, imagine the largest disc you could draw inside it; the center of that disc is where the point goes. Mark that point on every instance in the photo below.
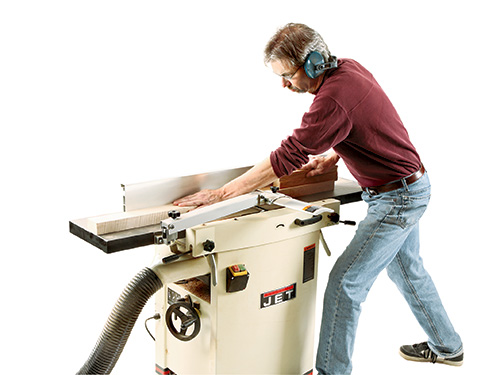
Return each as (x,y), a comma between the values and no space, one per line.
(422,353)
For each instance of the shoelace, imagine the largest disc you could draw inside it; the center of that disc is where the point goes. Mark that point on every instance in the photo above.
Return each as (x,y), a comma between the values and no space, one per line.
(426,352)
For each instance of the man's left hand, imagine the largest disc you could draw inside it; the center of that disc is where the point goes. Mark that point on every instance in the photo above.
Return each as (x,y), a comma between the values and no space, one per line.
(202,198)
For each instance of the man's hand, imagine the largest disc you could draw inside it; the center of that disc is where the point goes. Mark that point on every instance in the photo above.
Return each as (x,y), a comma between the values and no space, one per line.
(200,199)
(320,164)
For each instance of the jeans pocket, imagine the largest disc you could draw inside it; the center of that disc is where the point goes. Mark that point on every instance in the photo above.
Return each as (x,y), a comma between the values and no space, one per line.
(384,208)
(413,208)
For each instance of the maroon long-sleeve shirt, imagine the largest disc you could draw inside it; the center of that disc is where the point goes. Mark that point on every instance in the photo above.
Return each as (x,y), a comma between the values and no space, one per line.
(351,114)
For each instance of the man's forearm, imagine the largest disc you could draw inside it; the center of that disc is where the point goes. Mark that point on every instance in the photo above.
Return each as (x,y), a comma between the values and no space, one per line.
(257,177)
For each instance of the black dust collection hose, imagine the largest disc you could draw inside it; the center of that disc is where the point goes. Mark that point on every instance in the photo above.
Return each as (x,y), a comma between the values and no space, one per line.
(119,325)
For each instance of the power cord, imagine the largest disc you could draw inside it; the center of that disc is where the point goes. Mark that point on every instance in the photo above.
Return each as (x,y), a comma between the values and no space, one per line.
(156,316)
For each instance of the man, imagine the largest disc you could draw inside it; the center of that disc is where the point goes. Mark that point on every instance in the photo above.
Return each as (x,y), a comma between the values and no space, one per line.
(352,115)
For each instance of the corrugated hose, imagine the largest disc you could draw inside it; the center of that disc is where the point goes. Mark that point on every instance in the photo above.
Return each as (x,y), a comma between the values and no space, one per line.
(119,325)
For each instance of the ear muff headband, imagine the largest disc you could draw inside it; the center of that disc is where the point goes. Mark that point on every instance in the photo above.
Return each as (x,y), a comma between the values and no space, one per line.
(315,64)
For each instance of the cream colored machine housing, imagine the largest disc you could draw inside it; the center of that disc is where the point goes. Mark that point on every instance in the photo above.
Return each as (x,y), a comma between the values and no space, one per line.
(262,322)
(266,328)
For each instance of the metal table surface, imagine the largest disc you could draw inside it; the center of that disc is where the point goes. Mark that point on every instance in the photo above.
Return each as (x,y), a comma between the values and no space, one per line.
(346,191)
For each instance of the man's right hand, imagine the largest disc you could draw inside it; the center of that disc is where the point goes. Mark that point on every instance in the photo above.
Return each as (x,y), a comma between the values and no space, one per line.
(320,164)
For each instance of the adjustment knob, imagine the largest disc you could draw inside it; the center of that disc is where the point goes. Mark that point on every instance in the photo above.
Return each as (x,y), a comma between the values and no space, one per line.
(208,245)
(174,214)
(334,217)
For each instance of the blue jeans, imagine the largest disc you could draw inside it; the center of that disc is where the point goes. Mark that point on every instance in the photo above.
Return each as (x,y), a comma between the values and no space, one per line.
(388,238)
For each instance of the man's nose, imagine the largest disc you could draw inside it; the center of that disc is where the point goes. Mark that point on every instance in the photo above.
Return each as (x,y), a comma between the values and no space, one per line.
(285,82)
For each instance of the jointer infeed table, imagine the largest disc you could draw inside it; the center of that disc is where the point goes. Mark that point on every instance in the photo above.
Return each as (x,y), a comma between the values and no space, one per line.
(235,282)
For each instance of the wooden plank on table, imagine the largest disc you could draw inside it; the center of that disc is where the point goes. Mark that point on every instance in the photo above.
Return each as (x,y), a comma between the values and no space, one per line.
(131,219)
(298,178)
(309,189)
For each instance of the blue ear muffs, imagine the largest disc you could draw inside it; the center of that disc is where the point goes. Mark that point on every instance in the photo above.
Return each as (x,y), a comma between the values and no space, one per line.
(315,64)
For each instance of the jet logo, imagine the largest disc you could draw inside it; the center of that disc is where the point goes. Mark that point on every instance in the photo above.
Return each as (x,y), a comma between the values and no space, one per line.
(277,296)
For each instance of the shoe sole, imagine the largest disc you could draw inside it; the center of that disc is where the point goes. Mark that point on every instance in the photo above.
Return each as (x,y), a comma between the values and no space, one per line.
(443,361)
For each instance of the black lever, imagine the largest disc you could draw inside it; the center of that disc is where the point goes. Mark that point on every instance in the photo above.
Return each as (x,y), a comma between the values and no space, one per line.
(335,217)
(311,220)
(171,258)
(348,222)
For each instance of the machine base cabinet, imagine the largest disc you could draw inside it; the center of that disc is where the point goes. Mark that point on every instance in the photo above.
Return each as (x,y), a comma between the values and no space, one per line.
(267,328)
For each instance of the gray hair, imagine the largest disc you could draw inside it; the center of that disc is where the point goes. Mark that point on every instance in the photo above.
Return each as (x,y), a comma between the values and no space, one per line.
(293,43)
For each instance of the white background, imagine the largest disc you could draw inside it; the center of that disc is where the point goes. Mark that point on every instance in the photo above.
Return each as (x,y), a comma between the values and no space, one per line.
(98,93)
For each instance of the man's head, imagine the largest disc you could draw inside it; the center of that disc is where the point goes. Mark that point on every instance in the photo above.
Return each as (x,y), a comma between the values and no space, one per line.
(287,52)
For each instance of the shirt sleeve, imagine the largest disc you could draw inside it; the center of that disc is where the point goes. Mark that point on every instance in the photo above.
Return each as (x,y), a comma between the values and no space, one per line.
(325,125)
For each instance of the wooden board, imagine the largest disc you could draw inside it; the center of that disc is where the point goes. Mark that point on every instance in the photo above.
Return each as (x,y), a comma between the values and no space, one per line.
(131,219)
(298,178)
(309,189)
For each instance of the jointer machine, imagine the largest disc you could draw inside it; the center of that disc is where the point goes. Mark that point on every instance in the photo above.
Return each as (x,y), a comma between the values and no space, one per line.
(235,282)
